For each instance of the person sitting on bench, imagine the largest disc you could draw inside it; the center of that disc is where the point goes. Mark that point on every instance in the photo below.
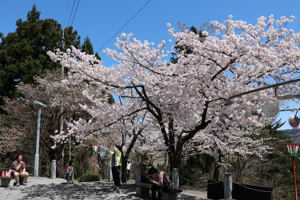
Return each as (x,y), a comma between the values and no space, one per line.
(19,170)
(159,181)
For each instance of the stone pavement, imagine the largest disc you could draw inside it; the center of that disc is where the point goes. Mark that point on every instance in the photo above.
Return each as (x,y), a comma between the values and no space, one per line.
(41,188)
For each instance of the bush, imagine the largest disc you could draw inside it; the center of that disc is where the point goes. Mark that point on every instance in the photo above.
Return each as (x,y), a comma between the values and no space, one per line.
(89,177)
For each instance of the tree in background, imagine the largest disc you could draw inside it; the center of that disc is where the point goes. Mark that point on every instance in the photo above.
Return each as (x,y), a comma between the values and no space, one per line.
(23,52)
(13,130)
(17,133)
(87,47)
(22,58)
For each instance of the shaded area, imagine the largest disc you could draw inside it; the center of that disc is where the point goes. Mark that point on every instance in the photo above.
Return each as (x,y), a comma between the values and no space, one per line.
(186,197)
(215,190)
(96,190)
(93,190)
(41,188)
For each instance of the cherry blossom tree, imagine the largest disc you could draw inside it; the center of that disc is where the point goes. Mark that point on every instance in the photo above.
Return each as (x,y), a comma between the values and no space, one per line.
(56,95)
(13,129)
(50,90)
(103,128)
(205,90)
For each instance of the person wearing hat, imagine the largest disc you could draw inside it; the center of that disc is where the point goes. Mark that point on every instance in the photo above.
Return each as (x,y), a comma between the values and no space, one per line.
(115,152)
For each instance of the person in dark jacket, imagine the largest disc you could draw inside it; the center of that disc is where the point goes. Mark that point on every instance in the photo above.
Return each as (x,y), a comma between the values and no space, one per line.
(115,152)
(159,180)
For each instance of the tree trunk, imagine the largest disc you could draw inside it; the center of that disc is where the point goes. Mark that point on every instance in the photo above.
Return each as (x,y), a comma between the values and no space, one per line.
(174,159)
(217,167)
(216,174)
(239,171)
(125,156)
(124,170)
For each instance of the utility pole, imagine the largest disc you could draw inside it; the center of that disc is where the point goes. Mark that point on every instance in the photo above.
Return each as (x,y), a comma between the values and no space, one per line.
(62,76)
(61,106)
(63,46)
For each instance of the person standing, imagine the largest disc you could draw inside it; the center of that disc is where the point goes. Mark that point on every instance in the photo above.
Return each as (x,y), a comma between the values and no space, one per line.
(19,169)
(69,172)
(116,154)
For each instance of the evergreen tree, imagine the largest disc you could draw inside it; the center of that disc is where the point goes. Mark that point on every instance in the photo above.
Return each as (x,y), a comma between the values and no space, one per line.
(23,52)
(186,49)
(87,47)
(97,56)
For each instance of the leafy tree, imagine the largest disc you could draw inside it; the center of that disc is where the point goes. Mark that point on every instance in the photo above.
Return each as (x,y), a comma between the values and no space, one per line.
(277,166)
(195,167)
(275,170)
(23,52)
(87,47)
(22,57)
(184,48)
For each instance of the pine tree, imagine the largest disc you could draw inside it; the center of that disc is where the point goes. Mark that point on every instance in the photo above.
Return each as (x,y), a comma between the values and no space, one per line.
(23,52)
(87,47)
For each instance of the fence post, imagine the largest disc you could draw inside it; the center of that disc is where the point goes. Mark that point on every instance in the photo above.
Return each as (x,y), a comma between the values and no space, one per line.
(227,186)
(110,174)
(138,179)
(53,169)
(175,180)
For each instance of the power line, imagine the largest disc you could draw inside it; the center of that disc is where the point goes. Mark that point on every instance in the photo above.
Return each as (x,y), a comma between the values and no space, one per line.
(71,12)
(132,18)
(75,12)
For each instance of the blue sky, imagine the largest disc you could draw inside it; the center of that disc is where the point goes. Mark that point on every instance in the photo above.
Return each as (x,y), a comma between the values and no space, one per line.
(101,19)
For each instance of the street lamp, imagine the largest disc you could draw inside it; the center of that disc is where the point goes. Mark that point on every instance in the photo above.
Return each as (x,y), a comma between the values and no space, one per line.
(38,129)
(293,151)
(38,133)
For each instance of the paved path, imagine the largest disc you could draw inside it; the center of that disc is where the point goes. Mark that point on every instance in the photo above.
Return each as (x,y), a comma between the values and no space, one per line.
(40,188)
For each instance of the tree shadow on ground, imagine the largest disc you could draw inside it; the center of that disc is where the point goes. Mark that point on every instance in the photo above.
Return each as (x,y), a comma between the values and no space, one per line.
(186,197)
(86,191)
(83,191)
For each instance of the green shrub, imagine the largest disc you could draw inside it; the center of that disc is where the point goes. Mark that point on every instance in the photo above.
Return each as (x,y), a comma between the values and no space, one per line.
(89,177)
